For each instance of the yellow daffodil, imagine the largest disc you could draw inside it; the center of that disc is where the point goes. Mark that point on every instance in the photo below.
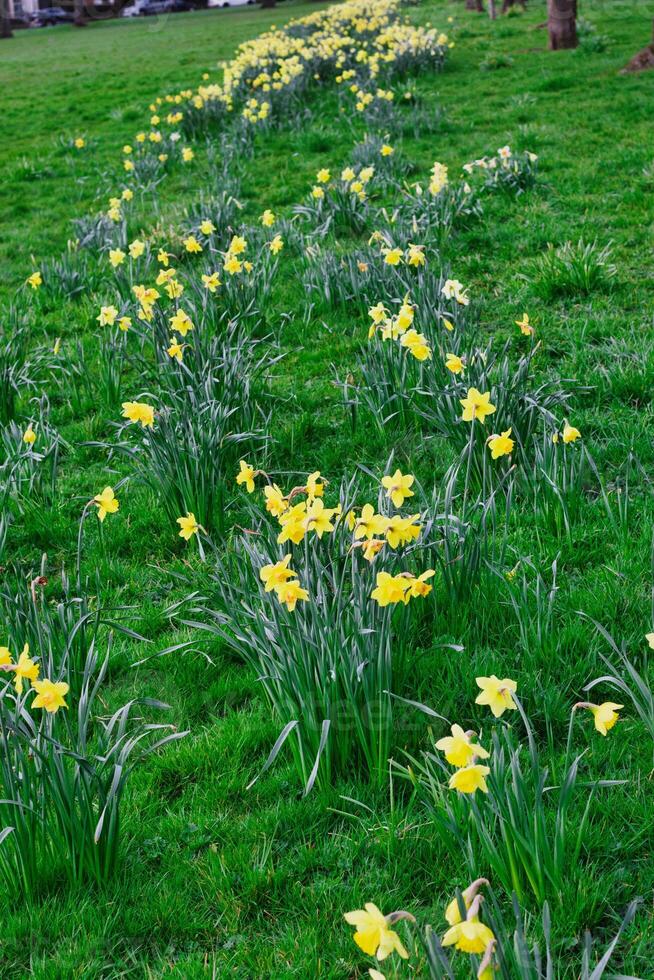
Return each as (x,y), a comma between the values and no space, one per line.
(525,326)
(290,593)
(267,219)
(276,502)
(238,245)
(50,695)
(496,693)
(469,936)
(188,526)
(192,245)
(501,445)
(453,912)
(293,522)
(277,574)
(116,257)
(136,248)
(419,587)
(314,487)
(211,281)
(25,670)
(124,323)
(29,436)
(378,313)
(372,547)
(106,503)
(390,589)
(181,323)
(416,344)
(276,245)
(323,176)
(605,715)
(570,434)
(401,530)
(207,227)
(79,143)
(319,517)
(398,487)
(373,933)
(370,524)
(139,412)
(187,154)
(232,265)
(459,749)
(107,316)
(454,363)
(176,349)
(476,406)
(469,779)
(415,255)
(439,178)
(392,256)
(246,475)
(404,317)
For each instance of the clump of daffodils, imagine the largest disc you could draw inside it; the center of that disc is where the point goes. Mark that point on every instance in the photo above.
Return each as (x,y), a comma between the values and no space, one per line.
(50,695)
(399,327)
(302,514)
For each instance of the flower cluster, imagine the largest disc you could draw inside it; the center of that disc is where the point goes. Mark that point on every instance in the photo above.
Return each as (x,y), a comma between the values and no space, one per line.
(50,695)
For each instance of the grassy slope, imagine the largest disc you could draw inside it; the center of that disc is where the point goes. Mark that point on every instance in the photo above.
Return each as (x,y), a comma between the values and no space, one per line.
(257,882)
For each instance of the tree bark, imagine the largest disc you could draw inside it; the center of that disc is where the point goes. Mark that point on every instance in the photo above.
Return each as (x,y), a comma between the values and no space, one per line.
(5,20)
(79,16)
(475,5)
(562,24)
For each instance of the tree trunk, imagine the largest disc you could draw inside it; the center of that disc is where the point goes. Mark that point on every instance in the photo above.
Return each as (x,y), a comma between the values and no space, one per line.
(492,12)
(475,5)
(562,24)
(79,18)
(5,20)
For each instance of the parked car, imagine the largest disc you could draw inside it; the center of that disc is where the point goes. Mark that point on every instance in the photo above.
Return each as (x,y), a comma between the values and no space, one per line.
(133,9)
(49,16)
(230,3)
(164,7)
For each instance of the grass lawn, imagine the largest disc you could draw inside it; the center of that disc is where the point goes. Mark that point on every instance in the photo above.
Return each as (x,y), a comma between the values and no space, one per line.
(227,882)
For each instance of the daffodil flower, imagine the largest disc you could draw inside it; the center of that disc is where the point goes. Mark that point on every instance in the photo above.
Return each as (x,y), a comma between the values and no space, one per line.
(373,933)
(398,487)
(605,715)
(497,694)
(50,695)
(459,749)
(106,503)
(476,406)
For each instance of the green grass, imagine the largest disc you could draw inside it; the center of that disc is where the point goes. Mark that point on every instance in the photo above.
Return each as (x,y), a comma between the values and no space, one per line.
(254,883)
